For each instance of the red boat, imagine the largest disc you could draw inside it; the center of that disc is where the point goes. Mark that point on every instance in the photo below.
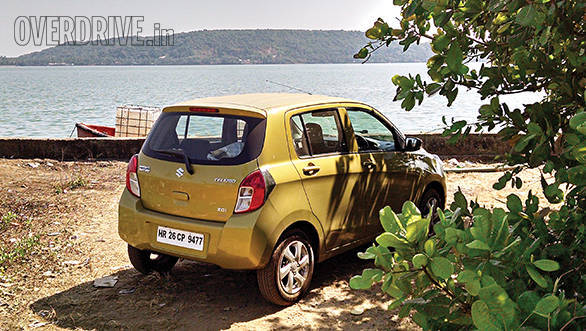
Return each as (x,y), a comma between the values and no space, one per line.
(89,130)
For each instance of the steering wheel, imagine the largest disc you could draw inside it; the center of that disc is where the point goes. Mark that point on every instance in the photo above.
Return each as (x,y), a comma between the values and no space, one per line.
(365,144)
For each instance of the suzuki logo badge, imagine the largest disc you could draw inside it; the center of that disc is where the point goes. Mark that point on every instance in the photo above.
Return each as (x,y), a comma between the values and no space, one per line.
(179,172)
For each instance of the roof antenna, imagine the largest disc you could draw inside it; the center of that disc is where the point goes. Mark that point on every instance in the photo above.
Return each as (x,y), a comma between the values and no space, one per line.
(287,86)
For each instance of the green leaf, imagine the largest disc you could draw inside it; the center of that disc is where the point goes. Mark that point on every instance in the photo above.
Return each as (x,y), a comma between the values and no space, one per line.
(577,175)
(388,239)
(482,317)
(390,221)
(366,255)
(419,260)
(466,276)
(525,15)
(364,281)
(429,247)
(409,102)
(547,305)
(395,304)
(417,229)
(410,210)
(514,203)
(394,291)
(527,301)
(500,304)
(477,244)
(373,33)
(441,42)
(441,267)
(536,276)
(362,54)
(578,122)
(454,58)
(523,142)
(547,265)
(432,88)
(421,320)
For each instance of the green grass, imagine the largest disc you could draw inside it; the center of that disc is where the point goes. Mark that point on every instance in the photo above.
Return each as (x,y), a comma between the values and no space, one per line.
(71,185)
(19,250)
(7,219)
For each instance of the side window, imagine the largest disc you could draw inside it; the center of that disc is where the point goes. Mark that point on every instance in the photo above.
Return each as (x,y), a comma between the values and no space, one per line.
(318,132)
(371,134)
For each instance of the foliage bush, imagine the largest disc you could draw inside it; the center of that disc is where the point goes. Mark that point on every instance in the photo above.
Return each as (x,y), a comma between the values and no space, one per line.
(495,269)
(481,267)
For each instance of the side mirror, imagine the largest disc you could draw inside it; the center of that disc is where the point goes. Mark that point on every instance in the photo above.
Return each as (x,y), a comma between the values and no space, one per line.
(412,144)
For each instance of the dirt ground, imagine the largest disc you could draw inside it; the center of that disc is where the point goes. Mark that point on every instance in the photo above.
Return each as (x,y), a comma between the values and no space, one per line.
(58,233)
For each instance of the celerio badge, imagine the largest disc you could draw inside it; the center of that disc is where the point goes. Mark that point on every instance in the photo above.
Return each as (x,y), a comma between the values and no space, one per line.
(179,172)
(224,180)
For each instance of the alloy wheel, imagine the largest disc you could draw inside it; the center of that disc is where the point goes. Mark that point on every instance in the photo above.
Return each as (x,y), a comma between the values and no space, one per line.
(293,267)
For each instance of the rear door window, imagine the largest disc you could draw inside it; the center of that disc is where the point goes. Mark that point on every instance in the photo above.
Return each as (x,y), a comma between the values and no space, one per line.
(318,132)
(206,138)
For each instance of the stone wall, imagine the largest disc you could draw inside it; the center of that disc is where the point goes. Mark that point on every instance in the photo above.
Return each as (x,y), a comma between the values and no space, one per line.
(476,147)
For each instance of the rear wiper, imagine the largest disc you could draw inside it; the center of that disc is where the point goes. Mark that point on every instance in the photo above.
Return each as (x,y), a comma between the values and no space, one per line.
(178,152)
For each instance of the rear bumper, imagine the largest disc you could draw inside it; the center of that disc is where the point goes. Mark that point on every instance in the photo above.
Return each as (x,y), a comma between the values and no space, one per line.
(236,244)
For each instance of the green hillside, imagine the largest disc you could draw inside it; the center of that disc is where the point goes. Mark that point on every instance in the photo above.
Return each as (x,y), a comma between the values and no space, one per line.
(228,47)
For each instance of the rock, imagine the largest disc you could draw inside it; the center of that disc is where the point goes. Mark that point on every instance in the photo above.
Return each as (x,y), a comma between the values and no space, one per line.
(122,267)
(49,164)
(454,163)
(108,281)
(72,262)
(127,290)
(227,309)
(49,273)
(33,164)
(52,234)
(37,324)
(357,311)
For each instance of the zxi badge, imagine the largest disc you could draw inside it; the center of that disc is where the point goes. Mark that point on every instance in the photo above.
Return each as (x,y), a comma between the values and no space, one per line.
(179,172)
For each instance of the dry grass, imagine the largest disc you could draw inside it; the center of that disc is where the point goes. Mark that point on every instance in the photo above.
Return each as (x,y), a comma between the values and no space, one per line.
(58,232)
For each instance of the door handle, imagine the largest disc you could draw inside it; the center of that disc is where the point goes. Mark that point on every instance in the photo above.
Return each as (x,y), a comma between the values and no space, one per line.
(310,169)
(368,164)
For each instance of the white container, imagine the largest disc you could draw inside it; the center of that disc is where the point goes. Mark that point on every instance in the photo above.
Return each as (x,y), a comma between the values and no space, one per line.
(135,121)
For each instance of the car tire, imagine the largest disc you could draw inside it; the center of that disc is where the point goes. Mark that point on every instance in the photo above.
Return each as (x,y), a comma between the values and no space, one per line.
(146,261)
(287,276)
(431,198)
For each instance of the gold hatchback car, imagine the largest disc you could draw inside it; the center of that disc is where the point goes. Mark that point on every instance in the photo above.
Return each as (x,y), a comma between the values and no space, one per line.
(271,182)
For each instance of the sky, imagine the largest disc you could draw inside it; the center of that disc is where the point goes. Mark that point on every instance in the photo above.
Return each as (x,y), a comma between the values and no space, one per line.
(184,15)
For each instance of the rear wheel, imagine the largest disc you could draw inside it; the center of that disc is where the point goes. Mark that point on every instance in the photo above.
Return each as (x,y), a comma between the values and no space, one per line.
(288,275)
(146,261)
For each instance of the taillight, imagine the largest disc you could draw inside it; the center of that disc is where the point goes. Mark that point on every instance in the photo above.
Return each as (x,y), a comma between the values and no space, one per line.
(203,110)
(131,176)
(251,193)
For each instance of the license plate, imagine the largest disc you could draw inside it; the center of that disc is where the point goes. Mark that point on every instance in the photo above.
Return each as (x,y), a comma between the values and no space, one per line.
(192,240)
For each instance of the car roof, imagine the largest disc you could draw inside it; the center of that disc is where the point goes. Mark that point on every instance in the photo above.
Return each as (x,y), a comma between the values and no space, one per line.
(267,102)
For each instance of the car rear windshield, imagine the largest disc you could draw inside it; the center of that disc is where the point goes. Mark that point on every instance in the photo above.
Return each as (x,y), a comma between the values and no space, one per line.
(206,138)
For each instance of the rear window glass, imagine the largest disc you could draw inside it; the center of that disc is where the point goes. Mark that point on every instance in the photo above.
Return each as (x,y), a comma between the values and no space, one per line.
(206,138)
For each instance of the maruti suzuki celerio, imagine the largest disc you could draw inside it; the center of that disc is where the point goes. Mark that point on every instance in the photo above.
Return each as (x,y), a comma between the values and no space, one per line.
(270,182)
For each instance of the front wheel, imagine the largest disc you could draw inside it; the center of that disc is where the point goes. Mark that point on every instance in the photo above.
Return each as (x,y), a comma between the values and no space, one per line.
(430,200)
(146,261)
(288,275)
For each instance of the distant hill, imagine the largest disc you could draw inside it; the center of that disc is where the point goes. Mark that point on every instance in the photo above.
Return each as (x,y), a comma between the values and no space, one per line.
(228,47)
